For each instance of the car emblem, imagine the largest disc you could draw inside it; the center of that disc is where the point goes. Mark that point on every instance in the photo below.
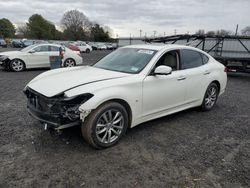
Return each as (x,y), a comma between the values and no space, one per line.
(49,105)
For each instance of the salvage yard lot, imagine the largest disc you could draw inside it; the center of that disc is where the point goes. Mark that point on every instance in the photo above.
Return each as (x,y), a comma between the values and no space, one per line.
(187,149)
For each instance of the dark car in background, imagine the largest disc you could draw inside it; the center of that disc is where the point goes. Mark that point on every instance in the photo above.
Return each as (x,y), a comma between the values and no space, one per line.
(3,43)
(27,43)
(16,43)
(93,45)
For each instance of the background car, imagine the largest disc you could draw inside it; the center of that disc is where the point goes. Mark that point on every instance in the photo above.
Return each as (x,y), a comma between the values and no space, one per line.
(93,46)
(84,48)
(27,43)
(101,47)
(3,43)
(131,85)
(74,48)
(109,46)
(16,43)
(37,56)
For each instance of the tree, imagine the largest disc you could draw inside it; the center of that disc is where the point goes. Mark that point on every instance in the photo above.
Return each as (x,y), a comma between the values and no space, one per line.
(246,31)
(210,33)
(76,25)
(22,30)
(200,32)
(40,28)
(7,29)
(98,34)
(223,32)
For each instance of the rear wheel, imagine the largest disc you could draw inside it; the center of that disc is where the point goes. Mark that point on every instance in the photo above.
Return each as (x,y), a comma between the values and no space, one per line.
(105,126)
(17,65)
(210,97)
(87,50)
(69,63)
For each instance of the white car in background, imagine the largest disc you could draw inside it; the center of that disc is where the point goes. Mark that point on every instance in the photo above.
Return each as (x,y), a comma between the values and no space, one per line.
(101,47)
(37,56)
(83,47)
(131,85)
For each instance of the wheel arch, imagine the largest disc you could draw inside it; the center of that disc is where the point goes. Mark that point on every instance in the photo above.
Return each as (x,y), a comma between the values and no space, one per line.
(125,105)
(217,83)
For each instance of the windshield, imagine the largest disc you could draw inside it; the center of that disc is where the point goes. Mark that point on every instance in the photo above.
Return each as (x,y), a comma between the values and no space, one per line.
(128,60)
(28,48)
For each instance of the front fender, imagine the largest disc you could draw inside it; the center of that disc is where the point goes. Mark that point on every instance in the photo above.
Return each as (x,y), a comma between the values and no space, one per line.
(133,98)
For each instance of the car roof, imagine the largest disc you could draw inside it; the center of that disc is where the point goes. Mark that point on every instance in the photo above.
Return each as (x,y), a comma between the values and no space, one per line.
(50,44)
(159,47)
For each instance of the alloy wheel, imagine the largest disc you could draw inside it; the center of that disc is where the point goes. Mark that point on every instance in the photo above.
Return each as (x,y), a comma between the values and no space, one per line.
(17,65)
(109,126)
(211,97)
(69,63)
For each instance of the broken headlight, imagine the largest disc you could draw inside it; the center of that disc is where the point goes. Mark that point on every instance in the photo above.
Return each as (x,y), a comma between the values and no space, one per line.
(3,57)
(71,105)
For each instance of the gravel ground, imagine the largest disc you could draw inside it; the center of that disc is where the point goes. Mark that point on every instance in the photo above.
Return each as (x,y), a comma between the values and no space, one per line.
(184,150)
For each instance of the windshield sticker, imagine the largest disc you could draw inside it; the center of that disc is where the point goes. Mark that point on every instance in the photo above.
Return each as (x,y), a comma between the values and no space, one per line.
(150,52)
(134,69)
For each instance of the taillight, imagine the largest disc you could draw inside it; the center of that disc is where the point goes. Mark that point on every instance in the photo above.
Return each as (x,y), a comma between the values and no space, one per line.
(225,69)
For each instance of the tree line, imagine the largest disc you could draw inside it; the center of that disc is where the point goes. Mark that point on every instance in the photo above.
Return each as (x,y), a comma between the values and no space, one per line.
(223,32)
(74,26)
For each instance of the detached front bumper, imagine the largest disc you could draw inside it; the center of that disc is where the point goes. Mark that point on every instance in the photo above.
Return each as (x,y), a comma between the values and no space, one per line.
(53,121)
(57,112)
(5,64)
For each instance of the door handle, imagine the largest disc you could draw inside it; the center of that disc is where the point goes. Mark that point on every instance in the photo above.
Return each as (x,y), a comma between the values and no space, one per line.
(206,72)
(181,78)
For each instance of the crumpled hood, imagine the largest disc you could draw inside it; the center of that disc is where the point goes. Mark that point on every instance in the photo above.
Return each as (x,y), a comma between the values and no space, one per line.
(57,81)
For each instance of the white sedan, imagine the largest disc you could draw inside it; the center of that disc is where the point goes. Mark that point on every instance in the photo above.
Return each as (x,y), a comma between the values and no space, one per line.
(131,85)
(37,56)
(83,47)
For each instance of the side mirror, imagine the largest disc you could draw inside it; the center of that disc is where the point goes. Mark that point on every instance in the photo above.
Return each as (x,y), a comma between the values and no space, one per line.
(32,51)
(162,70)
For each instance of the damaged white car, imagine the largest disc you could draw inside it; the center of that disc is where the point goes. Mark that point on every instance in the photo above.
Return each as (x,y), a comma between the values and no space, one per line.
(131,85)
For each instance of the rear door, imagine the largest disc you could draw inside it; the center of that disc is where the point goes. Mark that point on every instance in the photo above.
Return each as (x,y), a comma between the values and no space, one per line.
(196,69)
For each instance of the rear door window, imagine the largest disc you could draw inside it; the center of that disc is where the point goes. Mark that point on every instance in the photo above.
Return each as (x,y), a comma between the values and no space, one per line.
(190,59)
(54,48)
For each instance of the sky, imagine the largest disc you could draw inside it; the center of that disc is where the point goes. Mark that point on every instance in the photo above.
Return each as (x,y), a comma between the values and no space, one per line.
(128,17)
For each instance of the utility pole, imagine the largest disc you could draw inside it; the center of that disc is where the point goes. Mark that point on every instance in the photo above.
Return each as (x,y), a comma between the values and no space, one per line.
(154,33)
(140,33)
(236,31)
(175,32)
(164,34)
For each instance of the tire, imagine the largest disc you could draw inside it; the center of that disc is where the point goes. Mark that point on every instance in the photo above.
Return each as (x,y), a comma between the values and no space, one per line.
(87,51)
(17,65)
(210,97)
(112,119)
(69,62)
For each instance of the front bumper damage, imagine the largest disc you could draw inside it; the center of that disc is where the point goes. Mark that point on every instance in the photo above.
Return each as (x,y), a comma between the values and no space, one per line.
(56,112)
(5,63)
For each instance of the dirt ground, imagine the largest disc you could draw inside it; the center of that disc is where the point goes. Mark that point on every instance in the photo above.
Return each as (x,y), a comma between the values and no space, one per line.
(184,150)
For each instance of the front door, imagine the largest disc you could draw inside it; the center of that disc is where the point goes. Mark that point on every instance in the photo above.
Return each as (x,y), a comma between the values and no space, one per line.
(164,92)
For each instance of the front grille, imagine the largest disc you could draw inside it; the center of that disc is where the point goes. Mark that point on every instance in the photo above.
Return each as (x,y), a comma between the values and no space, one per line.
(41,103)
(45,108)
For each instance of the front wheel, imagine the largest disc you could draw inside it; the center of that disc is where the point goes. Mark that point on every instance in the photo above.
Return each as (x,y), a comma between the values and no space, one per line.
(105,126)
(210,97)
(17,65)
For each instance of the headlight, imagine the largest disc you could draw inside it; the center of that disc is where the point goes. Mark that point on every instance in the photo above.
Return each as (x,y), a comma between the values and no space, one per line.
(3,57)
(71,105)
